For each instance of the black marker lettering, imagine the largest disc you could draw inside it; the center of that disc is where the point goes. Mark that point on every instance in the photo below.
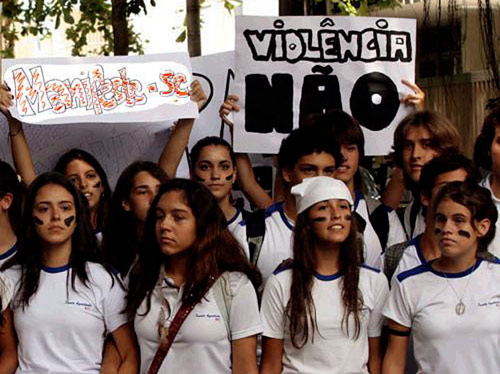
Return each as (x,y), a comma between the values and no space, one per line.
(38,221)
(464,233)
(327,45)
(69,220)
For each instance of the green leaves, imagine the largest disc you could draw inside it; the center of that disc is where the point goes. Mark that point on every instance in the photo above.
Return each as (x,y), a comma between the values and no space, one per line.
(83,18)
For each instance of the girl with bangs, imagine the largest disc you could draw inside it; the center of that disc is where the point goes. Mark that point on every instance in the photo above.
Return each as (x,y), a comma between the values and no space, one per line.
(180,323)
(321,312)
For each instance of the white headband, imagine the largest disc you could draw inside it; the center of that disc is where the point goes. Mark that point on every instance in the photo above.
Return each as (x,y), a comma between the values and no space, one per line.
(316,189)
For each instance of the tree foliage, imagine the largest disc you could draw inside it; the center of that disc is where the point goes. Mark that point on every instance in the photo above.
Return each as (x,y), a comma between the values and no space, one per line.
(34,17)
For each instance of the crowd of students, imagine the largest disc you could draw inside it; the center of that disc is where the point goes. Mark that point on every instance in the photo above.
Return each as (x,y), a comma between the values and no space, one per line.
(166,275)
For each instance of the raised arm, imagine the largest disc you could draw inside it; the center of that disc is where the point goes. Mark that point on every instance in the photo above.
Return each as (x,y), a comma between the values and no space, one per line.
(246,177)
(179,137)
(21,153)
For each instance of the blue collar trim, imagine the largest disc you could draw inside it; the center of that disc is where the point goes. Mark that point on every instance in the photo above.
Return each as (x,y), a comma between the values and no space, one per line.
(455,275)
(328,277)
(416,242)
(9,252)
(59,269)
(233,218)
(284,217)
(358,196)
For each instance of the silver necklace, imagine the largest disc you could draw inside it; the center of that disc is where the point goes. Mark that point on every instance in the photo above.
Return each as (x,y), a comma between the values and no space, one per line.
(460,307)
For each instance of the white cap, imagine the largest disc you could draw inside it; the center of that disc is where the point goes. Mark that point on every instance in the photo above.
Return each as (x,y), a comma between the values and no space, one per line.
(316,189)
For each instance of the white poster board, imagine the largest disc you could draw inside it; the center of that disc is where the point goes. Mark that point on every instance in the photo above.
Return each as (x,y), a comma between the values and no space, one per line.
(117,145)
(290,67)
(117,89)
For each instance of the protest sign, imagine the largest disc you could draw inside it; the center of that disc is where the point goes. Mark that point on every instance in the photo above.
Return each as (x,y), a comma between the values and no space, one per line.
(117,145)
(119,89)
(288,68)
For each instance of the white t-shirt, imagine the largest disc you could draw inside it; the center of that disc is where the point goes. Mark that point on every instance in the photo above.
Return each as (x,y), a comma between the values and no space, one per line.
(277,244)
(331,351)
(372,246)
(8,254)
(444,342)
(63,330)
(419,227)
(232,224)
(201,344)
(494,246)
(278,241)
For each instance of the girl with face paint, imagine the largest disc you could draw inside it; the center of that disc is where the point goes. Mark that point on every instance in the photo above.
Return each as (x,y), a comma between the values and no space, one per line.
(324,300)
(64,299)
(186,247)
(214,165)
(451,303)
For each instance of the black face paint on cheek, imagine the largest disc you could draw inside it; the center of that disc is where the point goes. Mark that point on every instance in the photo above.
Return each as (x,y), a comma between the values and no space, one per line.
(319,219)
(348,217)
(229,177)
(437,231)
(464,233)
(38,221)
(97,185)
(199,179)
(69,220)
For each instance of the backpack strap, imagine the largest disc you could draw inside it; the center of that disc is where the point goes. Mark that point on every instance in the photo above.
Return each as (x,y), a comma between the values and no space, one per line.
(255,230)
(224,298)
(392,257)
(379,218)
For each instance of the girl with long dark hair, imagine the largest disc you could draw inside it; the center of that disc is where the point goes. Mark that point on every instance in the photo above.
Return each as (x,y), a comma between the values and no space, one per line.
(322,311)
(135,190)
(11,200)
(487,156)
(187,254)
(450,304)
(64,300)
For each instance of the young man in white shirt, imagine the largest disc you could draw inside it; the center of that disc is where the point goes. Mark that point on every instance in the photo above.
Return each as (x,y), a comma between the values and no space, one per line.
(424,247)
(307,152)
(418,138)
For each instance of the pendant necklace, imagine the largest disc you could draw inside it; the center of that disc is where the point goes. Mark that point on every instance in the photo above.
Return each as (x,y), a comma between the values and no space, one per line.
(460,307)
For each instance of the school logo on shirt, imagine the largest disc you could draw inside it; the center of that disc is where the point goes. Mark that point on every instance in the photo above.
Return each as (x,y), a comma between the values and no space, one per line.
(493,302)
(82,304)
(209,316)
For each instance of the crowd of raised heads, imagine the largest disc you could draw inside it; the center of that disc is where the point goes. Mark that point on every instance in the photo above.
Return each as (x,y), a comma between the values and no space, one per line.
(163,275)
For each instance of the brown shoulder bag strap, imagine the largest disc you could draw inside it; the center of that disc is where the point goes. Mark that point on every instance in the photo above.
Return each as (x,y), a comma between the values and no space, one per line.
(173,329)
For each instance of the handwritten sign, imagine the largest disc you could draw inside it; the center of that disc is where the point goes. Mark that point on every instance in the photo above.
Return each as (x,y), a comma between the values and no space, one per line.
(288,68)
(110,89)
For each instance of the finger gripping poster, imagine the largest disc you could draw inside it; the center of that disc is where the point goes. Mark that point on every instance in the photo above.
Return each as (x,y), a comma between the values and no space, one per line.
(288,68)
(105,89)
